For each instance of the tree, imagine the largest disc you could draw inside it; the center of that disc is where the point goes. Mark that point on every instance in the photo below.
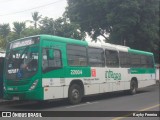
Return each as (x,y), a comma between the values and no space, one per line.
(4,30)
(30,31)
(129,22)
(134,22)
(90,15)
(47,26)
(2,42)
(64,28)
(36,17)
(18,28)
(60,27)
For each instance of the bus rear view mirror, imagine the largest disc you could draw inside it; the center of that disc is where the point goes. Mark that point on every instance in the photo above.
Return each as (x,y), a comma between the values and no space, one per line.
(50,54)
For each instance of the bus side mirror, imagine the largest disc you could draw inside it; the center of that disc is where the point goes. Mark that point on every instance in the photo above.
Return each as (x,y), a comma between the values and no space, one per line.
(50,54)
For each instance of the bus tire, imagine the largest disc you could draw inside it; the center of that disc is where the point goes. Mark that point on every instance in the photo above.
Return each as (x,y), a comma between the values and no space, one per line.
(133,87)
(75,94)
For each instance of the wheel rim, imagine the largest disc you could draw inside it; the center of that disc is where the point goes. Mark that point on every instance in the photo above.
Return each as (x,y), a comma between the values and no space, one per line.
(75,94)
(133,88)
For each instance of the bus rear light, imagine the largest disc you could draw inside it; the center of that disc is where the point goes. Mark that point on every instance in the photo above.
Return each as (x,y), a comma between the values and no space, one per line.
(33,85)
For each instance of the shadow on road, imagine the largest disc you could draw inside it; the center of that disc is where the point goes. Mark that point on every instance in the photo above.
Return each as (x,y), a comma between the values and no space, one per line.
(56,104)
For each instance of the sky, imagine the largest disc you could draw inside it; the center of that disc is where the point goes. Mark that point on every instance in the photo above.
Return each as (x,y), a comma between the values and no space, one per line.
(21,10)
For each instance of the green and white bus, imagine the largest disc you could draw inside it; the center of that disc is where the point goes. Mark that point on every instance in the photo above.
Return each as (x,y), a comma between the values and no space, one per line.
(46,67)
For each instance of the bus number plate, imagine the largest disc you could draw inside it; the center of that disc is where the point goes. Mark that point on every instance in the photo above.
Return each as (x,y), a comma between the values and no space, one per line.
(15,98)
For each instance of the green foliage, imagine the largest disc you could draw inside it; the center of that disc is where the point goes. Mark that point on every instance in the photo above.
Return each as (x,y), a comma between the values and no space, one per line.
(90,15)
(4,30)
(2,42)
(135,21)
(36,17)
(30,32)
(130,22)
(19,27)
(60,27)
(47,26)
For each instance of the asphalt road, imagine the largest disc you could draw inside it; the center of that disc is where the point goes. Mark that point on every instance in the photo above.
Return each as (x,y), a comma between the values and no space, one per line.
(147,99)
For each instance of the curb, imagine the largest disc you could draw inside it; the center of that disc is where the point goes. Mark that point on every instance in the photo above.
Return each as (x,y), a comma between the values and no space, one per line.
(3,102)
(9,102)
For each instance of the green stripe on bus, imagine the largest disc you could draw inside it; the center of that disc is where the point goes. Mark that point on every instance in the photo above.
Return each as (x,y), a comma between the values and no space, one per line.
(69,72)
(139,52)
(142,70)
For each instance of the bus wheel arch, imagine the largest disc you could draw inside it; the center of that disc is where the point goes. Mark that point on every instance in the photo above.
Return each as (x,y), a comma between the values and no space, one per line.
(133,86)
(75,91)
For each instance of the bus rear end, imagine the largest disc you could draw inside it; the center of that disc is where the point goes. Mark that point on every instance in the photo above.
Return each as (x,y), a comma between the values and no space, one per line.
(22,74)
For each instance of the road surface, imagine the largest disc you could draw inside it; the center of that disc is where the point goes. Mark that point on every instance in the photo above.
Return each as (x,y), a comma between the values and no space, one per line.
(147,99)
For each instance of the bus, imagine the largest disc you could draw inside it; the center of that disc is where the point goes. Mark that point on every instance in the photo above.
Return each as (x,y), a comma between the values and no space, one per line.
(45,67)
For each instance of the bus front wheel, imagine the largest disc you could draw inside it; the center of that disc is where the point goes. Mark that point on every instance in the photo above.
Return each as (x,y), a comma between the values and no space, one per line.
(75,94)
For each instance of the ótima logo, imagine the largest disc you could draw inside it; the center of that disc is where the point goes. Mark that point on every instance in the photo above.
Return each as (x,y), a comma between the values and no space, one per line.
(112,75)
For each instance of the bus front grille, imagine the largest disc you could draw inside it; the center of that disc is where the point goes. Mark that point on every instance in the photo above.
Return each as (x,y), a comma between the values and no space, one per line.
(17,82)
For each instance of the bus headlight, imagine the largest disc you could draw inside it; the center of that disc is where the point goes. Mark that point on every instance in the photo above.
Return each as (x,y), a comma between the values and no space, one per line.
(33,85)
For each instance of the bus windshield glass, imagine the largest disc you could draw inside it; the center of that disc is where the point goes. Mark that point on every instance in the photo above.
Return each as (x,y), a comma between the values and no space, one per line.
(22,63)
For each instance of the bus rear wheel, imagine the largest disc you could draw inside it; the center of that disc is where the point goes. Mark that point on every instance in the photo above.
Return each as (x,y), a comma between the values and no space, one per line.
(75,94)
(133,87)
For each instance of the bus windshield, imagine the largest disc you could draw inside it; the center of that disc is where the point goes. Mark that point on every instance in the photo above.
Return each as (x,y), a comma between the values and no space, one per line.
(22,63)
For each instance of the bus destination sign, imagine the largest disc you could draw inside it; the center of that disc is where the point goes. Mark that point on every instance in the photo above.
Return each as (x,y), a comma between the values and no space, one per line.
(21,43)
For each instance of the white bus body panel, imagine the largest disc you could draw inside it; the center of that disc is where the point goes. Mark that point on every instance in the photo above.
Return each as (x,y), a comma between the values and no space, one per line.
(99,82)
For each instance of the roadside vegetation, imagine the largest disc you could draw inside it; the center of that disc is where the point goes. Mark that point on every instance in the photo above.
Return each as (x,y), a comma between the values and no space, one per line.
(134,23)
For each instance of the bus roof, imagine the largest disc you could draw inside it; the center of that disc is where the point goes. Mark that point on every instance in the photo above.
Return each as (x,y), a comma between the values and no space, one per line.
(91,44)
(63,39)
(110,46)
(120,48)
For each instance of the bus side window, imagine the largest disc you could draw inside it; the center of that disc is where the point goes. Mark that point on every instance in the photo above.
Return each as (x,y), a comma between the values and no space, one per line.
(150,63)
(135,60)
(124,59)
(111,58)
(144,61)
(96,57)
(51,63)
(77,55)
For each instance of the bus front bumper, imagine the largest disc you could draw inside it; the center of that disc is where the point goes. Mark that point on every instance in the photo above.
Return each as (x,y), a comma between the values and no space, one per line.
(36,94)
